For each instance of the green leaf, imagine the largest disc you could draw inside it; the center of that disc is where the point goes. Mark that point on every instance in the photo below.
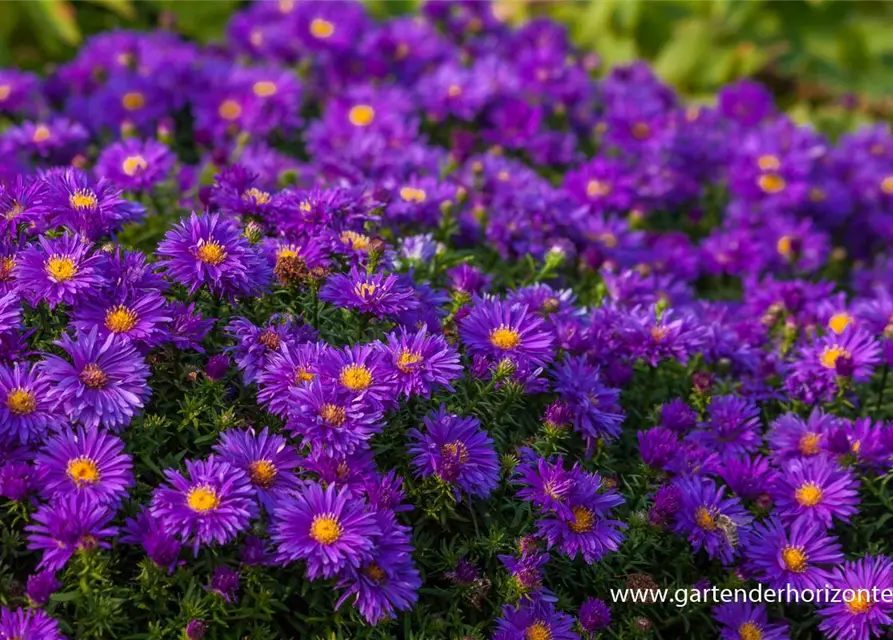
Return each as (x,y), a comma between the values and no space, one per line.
(53,18)
(685,54)
(122,8)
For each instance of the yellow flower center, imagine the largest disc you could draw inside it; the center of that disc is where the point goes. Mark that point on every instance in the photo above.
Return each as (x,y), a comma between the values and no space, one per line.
(21,402)
(887,185)
(356,241)
(133,100)
(374,573)
(41,133)
(229,109)
(264,89)
(256,37)
(93,376)
(5,90)
(454,91)
(598,189)
(809,444)
(356,377)
(120,319)
(325,529)
(260,197)
(61,269)
(321,29)
(768,163)
(704,519)
(364,290)
(456,451)
(839,322)
(771,183)
(537,631)
(641,131)
(411,194)
(211,253)
(817,195)
(302,375)
(784,245)
(202,499)
(830,355)
(505,338)
(82,471)
(133,165)
(333,414)
(407,359)
(83,199)
(658,334)
(402,51)
(750,631)
(860,602)
(14,212)
(286,6)
(794,559)
(7,265)
(262,473)
(584,520)
(809,495)
(361,115)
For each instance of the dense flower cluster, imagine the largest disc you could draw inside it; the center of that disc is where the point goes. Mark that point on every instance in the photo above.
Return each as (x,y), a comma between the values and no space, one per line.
(431,318)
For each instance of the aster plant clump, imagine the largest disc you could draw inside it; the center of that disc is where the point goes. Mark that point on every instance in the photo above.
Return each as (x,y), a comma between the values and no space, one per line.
(431,327)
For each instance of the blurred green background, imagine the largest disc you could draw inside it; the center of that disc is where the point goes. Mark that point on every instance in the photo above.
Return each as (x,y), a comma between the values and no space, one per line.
(824,59)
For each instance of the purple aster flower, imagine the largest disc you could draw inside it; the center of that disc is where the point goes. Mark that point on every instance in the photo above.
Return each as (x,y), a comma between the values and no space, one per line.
(58,270)
(104,384)
(798,555)
(217,366)
(56,140)
(377,293)
(733,427)
(288,369)
(353,471)
(747,102)
(657,446)
(595,408)
(665,505)
(861,612)
(594,615)
(791,437)
(534,620)
(254,552)
(212,503)
(422,362)
(655,335)
(815,489)
(467,279)
(705,514)
(135,165)
(187,327)
(25,404)
(330,419)
(584,526)
(749,477)
(851,354)
(28,624)
(90,208)
(87,461)
(10,311)
(129,273)
(41,586)
(17,480)
(210,250)
(140,317)
(267,458)
(859,440)
(157,540)
(389,581)
(196,629)
(746,621)
(225,583)
(71,522)
(327,529)
(21,206)
(360,371)
(678,416)
(498,329)
(547,484)
(254,345)
(526,574)
(457,451)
